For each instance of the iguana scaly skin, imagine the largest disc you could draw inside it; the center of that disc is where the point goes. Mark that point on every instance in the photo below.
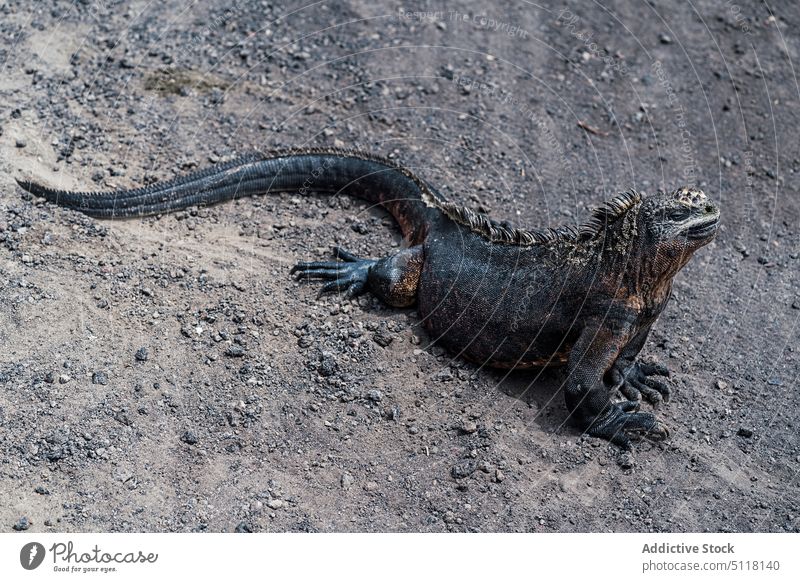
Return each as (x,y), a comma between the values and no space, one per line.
(584,298)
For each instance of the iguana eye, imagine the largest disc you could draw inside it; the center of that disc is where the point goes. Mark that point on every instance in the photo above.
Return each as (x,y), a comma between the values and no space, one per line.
(678,214)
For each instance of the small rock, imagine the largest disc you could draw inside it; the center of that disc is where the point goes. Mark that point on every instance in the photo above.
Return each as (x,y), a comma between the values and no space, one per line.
(190,438)
(327,366)
(21,525)
(347,481)
(275,503)
(721,385)
(64,378)
(445,375)
(100,377)
(375,395)
(745,432)
(665,39)
(468,427)
(499,476)
(625,460)
(464,469)
(244,527)
(20,143)
(141,355)
(382,337)
(41,491)
(234,351)
(370,486)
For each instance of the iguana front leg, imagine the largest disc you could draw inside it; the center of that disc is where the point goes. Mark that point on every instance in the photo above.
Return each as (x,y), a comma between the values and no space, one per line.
(393,279)
(633,378)
(588,397)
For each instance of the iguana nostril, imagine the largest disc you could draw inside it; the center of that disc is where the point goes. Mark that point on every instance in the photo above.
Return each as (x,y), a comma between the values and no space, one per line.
(709,209)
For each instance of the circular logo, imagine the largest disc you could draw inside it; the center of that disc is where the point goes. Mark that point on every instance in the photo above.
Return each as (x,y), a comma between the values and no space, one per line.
(31,555)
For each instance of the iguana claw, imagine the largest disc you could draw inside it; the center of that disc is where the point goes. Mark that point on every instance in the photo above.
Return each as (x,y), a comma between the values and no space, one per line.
(617,424)
(635,381)
(348,275)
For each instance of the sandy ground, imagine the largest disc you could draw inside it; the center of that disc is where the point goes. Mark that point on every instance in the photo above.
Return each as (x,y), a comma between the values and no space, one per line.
(167,374)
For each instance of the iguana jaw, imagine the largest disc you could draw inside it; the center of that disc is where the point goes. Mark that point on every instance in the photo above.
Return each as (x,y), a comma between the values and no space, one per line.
(703,227)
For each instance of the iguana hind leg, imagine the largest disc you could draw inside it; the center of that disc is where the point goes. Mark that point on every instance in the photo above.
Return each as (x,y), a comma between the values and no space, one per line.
(393,279)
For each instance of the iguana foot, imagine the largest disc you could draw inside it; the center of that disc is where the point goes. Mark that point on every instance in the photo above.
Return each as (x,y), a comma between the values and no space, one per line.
(618,423)
(634,381)
(348,275)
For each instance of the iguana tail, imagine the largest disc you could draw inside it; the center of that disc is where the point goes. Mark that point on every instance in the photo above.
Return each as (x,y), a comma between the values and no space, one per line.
(371,178)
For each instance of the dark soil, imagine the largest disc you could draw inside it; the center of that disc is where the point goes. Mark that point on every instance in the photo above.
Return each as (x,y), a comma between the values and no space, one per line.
(167,374)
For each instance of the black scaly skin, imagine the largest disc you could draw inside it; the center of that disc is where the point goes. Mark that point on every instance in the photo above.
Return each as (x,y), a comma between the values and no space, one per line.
(584,298)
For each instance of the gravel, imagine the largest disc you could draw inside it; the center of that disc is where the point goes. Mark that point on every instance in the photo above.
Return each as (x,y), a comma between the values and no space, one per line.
(112,101)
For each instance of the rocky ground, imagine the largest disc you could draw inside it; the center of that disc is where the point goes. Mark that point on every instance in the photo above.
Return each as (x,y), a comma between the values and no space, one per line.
(167,374)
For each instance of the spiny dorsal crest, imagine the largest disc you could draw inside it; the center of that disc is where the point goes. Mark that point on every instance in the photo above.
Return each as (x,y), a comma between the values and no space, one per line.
(478,222)
(481,224)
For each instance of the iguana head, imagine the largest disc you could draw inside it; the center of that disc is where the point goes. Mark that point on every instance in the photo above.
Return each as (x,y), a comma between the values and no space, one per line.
(675,225)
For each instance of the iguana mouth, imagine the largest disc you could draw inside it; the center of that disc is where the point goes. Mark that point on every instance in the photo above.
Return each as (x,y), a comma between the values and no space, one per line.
(704,229)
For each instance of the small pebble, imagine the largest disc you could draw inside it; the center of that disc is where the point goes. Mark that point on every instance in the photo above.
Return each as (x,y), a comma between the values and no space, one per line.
(383,338)
(21,525)
(347,481)
(327,366)
(464,469)
(625,460)
(142,354)
(234,351)
(190,438)
(469,427)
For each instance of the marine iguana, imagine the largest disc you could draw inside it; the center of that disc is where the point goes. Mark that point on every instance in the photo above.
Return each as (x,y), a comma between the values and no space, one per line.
(584,298)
